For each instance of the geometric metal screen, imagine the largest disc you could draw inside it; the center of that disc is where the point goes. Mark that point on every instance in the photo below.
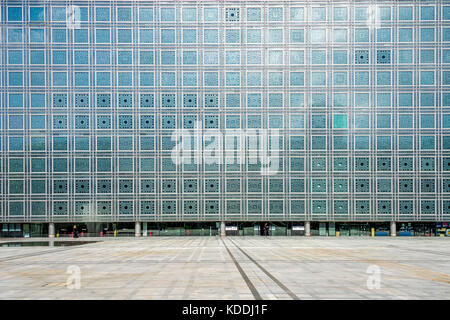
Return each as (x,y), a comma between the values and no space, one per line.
(248,110)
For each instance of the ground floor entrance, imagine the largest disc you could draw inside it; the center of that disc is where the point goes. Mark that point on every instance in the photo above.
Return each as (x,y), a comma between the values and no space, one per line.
(25,230)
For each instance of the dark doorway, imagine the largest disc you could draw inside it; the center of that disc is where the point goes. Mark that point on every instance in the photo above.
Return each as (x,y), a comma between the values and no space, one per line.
(261,229)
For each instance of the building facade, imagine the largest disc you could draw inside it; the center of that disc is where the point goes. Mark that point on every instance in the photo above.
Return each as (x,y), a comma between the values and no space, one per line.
(191,111)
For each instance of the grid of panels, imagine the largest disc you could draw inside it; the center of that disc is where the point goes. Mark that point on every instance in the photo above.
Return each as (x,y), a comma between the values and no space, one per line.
(91,93)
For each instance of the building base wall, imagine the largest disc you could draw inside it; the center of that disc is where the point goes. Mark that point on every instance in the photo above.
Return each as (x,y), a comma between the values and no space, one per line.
(228,228)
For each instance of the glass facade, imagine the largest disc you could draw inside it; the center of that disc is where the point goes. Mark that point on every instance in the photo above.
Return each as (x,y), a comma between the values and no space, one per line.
(349,100)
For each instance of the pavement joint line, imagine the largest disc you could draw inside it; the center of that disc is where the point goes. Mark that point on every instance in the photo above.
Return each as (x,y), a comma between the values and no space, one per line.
(424,251)
(31,254)
(45,262)
(250,285)
(273,278)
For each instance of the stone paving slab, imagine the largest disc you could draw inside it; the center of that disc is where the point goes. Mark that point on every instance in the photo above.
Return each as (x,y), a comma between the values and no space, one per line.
(252,267)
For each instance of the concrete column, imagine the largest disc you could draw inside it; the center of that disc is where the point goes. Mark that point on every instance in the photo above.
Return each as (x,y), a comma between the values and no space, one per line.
(307,228)
(94,227)
(51,230)
(137,229)
(222,229)
(145,232)
(393,229)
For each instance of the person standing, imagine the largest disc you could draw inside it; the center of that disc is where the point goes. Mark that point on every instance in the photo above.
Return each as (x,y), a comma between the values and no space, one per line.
(266,229)
(75,231)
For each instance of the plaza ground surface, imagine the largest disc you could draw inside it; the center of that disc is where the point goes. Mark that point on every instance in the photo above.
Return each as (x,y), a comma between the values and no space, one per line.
(230,268)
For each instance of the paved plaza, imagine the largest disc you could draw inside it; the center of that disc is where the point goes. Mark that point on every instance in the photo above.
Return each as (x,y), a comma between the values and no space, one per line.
(229,268)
